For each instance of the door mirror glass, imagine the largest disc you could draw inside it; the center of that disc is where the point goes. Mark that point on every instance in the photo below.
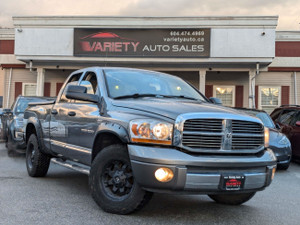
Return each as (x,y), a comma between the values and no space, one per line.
(79,93)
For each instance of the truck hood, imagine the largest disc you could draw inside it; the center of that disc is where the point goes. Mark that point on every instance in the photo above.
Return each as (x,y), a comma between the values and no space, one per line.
(171,108)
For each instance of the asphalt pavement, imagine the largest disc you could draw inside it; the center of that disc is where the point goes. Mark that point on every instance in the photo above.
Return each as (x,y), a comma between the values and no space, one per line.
(62,197)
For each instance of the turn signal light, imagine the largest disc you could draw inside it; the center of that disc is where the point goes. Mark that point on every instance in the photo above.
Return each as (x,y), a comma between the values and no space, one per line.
(164,174)
(273,172)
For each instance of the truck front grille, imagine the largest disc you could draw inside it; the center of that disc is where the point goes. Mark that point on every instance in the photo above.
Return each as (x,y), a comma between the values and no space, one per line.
(219,134)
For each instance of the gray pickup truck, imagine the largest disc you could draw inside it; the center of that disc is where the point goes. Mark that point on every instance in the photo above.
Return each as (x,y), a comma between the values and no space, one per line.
(136,132)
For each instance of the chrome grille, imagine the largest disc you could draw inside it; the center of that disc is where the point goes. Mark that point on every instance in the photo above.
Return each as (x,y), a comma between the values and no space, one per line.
(202,141)
(219,134)
(203,125)
(253,140)
(239,126)
(203,133)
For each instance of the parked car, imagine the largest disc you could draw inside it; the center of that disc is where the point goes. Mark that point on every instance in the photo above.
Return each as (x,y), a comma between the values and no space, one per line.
(136,132)
(13,123)
(279,143)
(288,118)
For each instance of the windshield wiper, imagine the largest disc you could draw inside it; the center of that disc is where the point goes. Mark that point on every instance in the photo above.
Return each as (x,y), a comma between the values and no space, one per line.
(180,96)
(136,95)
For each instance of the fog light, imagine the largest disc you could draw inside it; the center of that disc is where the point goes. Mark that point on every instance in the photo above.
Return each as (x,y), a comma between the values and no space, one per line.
(164,174)
(273,173)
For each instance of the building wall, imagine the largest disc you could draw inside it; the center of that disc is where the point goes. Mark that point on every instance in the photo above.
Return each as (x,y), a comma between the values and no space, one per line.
(232,79)
(25,76)
(277,79)
(56,76)
(17,75)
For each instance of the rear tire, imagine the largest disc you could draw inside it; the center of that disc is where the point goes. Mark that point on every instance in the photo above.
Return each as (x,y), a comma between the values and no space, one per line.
(112,182)
(232,199)
(37,162)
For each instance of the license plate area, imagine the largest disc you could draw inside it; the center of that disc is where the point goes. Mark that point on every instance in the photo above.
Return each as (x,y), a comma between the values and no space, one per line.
(232,182)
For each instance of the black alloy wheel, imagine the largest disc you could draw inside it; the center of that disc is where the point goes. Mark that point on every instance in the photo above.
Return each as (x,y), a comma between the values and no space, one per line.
(112,183)
(117,179)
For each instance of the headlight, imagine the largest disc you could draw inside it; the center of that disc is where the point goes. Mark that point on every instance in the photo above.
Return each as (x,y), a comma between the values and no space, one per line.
(151,131)
(267,137)
(284,141)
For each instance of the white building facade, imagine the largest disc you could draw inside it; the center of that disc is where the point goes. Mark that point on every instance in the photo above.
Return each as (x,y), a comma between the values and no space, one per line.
(232,58)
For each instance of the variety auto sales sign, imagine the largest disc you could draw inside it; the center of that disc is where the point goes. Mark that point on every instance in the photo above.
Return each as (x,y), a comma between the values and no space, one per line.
(185,43)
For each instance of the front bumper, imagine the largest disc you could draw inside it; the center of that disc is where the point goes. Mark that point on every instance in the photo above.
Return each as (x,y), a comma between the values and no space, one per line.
(201,173)
(283,154)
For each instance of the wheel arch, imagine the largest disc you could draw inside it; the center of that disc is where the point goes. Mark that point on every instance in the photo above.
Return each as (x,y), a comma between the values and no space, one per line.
(33,127)
(112,135)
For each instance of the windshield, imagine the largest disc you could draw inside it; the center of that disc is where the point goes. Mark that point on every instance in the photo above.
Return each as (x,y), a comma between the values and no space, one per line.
(22,104)
(135,83)
(264,117)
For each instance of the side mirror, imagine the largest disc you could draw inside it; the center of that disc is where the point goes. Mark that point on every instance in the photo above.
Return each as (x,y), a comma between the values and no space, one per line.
(216,101)
(79,93)
(298,123)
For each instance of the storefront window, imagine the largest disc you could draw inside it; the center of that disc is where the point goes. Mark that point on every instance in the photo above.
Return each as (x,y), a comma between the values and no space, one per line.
(269,98)
(226,94)
(29,89)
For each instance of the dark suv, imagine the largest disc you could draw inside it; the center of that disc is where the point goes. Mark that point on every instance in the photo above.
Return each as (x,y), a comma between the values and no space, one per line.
(288,118)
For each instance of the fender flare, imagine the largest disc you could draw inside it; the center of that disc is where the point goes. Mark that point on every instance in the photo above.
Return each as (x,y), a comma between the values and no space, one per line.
(36,123)
(112,128)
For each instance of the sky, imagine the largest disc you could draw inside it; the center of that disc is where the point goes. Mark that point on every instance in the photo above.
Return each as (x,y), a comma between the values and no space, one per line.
(287,10)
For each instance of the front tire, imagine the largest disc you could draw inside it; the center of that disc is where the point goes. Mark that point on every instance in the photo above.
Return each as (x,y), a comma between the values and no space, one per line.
(232,199)
(37,162)
(112,182)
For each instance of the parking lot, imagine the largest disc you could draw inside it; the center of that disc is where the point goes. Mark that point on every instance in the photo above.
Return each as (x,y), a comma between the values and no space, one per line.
(62,197)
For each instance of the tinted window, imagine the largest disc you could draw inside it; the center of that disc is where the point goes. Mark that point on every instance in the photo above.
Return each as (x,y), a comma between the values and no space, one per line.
(90,81)
(73,80)
(295,119)
(266,119)
(263,116)
(130,82)
(22,104)
(286,116)
(274,115)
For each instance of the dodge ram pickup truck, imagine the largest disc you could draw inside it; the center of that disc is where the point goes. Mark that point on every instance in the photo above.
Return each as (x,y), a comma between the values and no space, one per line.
(136,132)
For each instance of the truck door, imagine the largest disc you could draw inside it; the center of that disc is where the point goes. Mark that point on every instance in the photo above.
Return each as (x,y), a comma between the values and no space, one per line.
(59,119)
(83,120)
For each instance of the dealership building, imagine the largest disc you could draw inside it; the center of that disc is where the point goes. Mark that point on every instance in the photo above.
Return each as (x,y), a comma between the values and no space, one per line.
(242,60)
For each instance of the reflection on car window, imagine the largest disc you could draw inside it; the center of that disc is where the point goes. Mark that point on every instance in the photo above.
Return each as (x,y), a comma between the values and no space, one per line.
(295,119)
(72,81)
(286,116)
(266,119)
(22,104)
(90,82)
(130,82)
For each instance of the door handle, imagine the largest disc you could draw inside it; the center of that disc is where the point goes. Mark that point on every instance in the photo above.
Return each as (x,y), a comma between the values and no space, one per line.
(72,113)
(54,111)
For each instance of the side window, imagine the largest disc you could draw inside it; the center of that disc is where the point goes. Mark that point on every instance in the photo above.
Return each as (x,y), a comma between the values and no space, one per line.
(72,81)
(274,115)
(296,118)
(90,81)
(287,116)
